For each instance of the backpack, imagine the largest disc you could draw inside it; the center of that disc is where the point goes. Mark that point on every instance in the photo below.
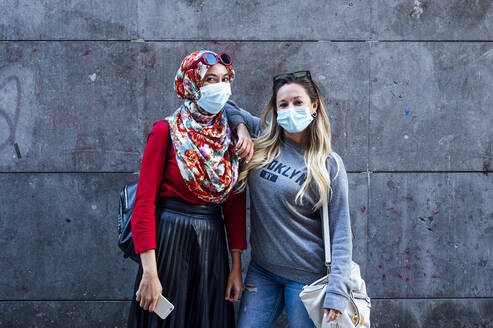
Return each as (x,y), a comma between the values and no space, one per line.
(127,201)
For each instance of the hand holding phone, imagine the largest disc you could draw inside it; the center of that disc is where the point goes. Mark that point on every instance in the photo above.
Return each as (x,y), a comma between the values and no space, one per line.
(163,307)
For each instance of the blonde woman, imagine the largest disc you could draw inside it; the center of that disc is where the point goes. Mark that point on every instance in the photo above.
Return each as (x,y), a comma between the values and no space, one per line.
(292,170)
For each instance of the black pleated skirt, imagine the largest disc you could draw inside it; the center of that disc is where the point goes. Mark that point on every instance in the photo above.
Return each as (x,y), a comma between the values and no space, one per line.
(193,267)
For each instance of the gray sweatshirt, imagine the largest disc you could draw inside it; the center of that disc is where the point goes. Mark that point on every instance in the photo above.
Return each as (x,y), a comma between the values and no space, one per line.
(286,237)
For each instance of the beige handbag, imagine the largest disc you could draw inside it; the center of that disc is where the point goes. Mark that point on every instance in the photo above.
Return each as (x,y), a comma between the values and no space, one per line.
(357,313)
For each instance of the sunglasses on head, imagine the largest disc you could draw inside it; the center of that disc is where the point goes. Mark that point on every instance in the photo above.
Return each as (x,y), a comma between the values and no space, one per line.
(297,75)
(209,59)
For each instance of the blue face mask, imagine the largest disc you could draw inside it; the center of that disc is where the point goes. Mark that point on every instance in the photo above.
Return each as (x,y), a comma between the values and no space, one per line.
(294,120)
(214,96)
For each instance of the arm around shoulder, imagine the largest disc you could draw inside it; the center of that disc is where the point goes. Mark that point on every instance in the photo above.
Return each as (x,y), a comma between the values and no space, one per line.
(237,115)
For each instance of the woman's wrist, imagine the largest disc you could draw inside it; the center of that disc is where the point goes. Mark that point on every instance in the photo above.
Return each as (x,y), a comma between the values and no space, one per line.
(236,261)
(242,128)
(148,260)
(150,274)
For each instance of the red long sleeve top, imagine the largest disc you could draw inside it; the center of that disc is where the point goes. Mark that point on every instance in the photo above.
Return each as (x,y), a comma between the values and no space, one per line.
(151,182)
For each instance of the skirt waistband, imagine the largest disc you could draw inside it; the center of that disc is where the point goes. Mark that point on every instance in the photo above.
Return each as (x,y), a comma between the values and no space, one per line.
(184,207)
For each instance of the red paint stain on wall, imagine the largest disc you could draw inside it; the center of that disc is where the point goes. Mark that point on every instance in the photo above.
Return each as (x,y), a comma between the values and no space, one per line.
(152,62)
(393,211)
(21,289)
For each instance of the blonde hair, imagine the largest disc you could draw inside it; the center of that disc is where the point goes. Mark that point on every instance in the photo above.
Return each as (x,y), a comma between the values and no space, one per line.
(267,146)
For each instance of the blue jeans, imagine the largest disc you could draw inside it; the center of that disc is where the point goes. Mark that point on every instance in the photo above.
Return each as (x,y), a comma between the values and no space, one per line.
(264,297)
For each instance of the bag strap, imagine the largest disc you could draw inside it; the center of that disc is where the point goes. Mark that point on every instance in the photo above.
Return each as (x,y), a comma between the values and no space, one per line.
(167,149)
(326,230)
(169,146)
(167,156)
(326,234)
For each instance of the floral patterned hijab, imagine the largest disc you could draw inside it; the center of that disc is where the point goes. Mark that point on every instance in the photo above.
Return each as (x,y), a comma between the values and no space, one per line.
(203,143)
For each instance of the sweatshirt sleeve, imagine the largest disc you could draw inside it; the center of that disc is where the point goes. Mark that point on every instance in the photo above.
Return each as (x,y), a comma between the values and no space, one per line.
(234,211)
(143,221)
(237,115)
(339,284)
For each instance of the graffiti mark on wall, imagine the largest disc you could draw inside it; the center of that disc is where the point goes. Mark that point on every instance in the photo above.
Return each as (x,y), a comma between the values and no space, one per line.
(9,112)
(17,114)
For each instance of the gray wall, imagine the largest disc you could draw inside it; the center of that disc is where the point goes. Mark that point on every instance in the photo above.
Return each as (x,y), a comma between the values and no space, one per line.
(408,85)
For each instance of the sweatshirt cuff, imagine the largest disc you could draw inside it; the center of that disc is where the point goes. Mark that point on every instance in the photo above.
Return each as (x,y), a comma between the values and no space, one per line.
(234,120)
(335,301)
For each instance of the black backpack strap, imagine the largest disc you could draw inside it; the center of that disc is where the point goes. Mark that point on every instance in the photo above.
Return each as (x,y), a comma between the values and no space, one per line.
(170,144)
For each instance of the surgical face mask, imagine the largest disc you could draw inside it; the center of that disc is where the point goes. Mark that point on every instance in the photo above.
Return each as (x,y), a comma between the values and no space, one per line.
(294,120)
(214,96)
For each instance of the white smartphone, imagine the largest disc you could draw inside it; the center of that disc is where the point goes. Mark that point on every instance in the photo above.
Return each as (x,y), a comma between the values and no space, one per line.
(163,307)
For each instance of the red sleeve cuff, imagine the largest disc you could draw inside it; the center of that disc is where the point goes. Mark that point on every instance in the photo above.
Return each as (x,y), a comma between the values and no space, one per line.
(144,246)
(234,211)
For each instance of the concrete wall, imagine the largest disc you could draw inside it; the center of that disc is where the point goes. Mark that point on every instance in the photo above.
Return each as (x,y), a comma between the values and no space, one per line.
(408,85)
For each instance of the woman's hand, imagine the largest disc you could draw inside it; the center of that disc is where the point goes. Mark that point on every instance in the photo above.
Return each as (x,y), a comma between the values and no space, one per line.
(234,286)
(245,146)
(149,290)
(331,315)
(150,287)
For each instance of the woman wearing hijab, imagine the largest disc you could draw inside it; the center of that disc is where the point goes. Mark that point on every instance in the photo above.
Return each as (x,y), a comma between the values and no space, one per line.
(182,194)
